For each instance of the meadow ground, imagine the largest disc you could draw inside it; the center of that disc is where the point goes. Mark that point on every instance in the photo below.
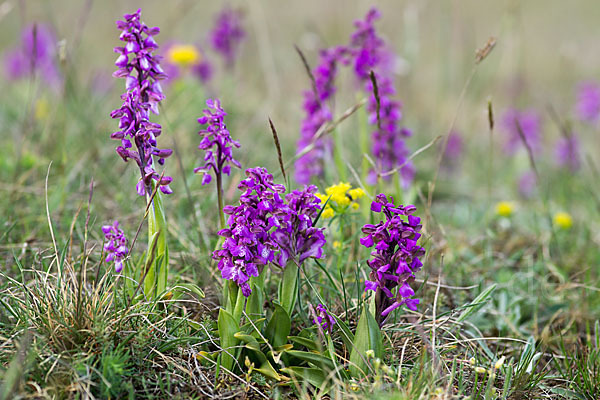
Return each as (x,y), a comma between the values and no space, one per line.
(509,288)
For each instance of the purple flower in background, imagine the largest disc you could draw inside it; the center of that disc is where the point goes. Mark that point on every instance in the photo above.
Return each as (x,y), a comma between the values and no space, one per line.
(323,318)
(454,147)
(567,152)
(217,142)
(203,71)
(317,113)
(527,184)
(248,244)
(370,53)
(588,102)
(395,257)
(454,151)
(116,245)
(36,53)
(227,34)
(297,238)
(528,122)
(367,48)
(389,148)
(142,74)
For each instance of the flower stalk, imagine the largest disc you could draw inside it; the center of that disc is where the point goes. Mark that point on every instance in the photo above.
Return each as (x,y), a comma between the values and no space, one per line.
(142,72)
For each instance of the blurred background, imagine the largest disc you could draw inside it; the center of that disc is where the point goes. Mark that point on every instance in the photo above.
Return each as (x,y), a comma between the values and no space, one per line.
(544,49)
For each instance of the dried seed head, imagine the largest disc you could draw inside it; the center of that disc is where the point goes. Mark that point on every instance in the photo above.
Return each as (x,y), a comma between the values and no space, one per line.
(482,53)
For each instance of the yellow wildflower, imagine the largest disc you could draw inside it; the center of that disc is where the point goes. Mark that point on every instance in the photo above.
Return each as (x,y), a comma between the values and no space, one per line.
(341,196)
(338,193)
(328,212)
(356,193)
(183,54)
(337,244)
(563,220)
(504,208)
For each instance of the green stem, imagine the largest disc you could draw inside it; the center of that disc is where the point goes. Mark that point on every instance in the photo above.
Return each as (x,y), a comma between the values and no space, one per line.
(220,200)
(156,279)
(338,156)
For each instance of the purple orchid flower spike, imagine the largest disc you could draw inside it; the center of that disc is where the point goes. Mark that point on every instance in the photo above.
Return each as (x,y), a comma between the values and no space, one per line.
(298,239)
(323,318)
(371,54)
(454,151)
(116,245)
(318,113)
(395,257)
(216,142)
(142,72)
(528,122)
(588,102)
(227,35)
(36,53)
(267,228)
(567,152)
(248,244)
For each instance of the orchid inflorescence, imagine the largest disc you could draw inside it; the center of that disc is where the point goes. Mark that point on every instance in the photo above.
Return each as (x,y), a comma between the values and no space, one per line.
(216,142)
(588,102)
(323,318)
(227,34)
(521,125)
(567,152)
(36,53)
(116,245)
(367,52)
(267,227)
(318,113)
(395,257)
(371,54)
(142,73)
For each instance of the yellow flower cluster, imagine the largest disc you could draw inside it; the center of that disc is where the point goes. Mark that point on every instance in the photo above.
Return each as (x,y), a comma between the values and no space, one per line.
(183,54)
(341,197)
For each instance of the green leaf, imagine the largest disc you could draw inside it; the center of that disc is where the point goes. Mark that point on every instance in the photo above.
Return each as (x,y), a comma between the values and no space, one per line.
(477,303)
(368,337)
(302,341)
(345,333)
(251,342)
(228,327)
(315,358)
(254,328)
(150,265)
(279,327)
(288,289)
(187,287)
(267,370)
(314,376)
(253,346)
(527,354)
(254,303)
